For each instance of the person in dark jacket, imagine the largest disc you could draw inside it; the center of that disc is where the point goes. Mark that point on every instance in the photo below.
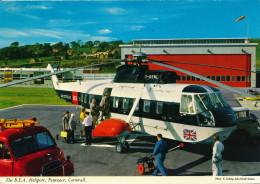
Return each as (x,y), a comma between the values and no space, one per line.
(65,124)
(160,150)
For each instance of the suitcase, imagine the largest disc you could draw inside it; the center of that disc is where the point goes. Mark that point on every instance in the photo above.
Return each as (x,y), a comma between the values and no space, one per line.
(63,134)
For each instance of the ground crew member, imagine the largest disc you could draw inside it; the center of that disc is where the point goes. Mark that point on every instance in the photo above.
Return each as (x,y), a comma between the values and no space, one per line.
(218,148)
(72,128)
(88,128)
(160,150)
(94,112)
(65,124)
(104,105)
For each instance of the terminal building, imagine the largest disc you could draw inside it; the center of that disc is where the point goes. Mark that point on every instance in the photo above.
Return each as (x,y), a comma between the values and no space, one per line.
(231,61)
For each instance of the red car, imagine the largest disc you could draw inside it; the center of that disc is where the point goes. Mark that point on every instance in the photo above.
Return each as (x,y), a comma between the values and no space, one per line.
(30,150)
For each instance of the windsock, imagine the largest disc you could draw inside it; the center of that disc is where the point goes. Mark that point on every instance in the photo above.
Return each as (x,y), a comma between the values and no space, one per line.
(241,18)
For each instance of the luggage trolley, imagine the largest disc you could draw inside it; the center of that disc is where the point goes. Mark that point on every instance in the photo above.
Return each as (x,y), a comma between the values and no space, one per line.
(149,159)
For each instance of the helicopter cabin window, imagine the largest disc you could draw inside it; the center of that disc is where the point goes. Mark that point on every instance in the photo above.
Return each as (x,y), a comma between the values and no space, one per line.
(159,107)
(125,103)
(85,98)
(116,102)
(187,104)
(238,78)
(91,97)
(146,107)
(228,78)
(183,78)
(82,97)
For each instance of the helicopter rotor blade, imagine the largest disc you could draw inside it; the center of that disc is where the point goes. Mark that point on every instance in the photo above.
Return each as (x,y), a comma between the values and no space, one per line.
(55,73)
(204,78)
(214,66)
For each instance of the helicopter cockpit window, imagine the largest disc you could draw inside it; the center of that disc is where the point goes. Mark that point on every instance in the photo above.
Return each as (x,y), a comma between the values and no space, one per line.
(187,104)
(219,100)
(203,102)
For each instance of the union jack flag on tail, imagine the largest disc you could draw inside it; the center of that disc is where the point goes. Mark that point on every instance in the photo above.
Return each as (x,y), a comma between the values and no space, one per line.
(189,135)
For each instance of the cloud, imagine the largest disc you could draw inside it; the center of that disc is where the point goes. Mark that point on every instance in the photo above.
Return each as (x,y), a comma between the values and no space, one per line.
(11,33)
(104,31)
(46,33)
(116,11)
(136,28)
(155,18)
(66,23)
(38,7)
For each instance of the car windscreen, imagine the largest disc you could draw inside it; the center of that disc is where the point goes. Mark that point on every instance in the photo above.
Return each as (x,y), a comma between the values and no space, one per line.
(32,143)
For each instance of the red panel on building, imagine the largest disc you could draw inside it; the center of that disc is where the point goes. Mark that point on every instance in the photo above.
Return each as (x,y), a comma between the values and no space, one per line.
(234,78)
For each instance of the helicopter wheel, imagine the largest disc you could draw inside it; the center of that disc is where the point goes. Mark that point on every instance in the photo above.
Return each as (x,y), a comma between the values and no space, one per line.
(119,147)
(141,169)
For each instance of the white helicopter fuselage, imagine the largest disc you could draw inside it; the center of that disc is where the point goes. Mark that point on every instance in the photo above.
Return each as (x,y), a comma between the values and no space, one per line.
(162,108)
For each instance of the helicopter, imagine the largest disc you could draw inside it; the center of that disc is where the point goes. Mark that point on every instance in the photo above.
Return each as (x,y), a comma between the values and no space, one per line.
(151,102)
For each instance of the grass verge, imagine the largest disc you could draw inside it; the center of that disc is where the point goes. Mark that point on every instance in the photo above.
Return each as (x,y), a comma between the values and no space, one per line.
(13,96)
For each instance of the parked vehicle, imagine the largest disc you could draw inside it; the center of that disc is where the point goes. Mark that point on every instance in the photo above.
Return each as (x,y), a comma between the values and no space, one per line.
(27,149)
(247,127)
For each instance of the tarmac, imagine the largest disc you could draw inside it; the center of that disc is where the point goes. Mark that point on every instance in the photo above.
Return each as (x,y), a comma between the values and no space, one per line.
(101,158)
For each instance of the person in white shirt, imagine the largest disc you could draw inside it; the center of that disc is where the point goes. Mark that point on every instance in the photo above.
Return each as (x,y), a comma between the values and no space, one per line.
(218,148)
(88,120)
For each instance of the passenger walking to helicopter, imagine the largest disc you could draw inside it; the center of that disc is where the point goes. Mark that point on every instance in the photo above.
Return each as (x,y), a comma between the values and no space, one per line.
(94,112)
(218,148)
(104,105)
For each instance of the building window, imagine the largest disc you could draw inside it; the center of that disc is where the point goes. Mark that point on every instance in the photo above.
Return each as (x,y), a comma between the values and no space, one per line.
(188,77)
(238,78)
(223,78)
(248,78)
(228,78)
(213,77)
(233,78)
(243,78)
(218,78)
(193,78)
(197,79)
(208,76)
(183,78)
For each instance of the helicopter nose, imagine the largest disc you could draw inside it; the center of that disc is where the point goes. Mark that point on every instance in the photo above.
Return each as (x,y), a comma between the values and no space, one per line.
(224,116)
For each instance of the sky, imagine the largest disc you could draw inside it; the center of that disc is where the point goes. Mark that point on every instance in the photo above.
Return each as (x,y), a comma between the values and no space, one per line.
(30,22)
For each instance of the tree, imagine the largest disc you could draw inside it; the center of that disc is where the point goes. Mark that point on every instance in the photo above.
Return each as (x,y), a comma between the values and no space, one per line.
(97,43)
(15,44)
(89,44)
